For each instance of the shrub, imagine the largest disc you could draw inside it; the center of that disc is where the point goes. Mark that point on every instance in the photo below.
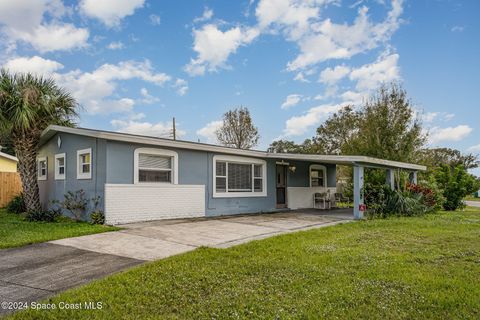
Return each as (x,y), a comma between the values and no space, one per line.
(97,217)
(382,202)
(46,216)
(76,203)
(16,205)
(428,195)
(456,183)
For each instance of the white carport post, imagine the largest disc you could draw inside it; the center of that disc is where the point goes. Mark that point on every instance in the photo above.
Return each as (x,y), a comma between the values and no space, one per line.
(357,191)
(391,178)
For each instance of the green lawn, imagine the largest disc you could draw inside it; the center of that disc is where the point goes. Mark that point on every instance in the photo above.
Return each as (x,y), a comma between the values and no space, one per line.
(400,268)
(15,231)
(472,198)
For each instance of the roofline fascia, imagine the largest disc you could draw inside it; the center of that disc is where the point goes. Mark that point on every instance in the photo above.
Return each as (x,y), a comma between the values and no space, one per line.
(334,159)
(7,156)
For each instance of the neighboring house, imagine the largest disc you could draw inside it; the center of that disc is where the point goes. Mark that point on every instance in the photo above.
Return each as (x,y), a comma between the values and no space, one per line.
(8,163)
(142,178)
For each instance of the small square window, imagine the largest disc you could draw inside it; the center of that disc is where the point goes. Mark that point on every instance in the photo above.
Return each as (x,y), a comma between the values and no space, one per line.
(84,164)
(60,166)
(42,168)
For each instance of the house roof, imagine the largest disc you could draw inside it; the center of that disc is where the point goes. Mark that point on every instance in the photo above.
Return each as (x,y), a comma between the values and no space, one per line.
(133,138)
(7,156)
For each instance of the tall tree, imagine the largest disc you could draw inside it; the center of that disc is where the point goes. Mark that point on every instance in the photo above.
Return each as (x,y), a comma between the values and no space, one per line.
(451,157)
(335,135)
(28,105)
(238,130)
(288,146)
(389,128)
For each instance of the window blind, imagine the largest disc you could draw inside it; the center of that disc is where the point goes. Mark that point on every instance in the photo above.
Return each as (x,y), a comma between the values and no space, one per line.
(239,177)
(149,161)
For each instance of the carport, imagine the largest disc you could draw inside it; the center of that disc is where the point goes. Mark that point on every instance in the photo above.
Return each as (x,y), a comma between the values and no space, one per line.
(359,163)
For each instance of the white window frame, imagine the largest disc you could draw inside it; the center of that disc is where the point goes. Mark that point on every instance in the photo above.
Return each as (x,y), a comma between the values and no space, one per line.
(82,175)
(242,160)
(318,166)
(59,176)
(157,152)
(40,177)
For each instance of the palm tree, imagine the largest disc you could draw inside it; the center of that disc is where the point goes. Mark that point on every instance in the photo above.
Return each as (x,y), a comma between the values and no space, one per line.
(28,105)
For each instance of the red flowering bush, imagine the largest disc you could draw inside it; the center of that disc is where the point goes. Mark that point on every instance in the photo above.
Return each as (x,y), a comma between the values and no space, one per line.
(429,197)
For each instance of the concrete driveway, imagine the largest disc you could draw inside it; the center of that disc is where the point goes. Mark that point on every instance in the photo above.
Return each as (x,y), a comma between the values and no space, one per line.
(160,239)
(473,203)
(35,272)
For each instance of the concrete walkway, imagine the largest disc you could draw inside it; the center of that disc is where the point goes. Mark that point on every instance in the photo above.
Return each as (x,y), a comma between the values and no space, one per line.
(35,272)
(160,239)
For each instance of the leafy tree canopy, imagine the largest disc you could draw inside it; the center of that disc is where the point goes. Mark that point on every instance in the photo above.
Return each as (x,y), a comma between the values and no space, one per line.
(237,129)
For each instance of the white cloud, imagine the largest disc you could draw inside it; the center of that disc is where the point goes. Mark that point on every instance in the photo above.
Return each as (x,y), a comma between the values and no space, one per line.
(353,97)
(154,19)
(53,37)
(147,98)
(35,64)
(331,76)
(429,117)
(299,125)
(182,86)
(370,76)
(299,21)
(291,16)
(327,40)
(110,12)
(457,28)
(159,129)
(208,132)
(475,148)
(457,133)
(207,15)
(291,100)
(94,90)
(27,15)
(213,47)
(26,21)
(301,77)
(115,45)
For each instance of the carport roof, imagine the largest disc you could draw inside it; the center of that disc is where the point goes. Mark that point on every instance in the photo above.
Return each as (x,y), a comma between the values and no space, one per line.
(133,138)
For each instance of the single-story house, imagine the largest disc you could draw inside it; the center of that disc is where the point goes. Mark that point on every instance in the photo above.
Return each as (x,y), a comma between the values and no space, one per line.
(8,163)
(141,178)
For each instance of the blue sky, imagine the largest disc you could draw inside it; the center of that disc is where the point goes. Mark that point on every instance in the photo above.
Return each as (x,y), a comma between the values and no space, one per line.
(136,64)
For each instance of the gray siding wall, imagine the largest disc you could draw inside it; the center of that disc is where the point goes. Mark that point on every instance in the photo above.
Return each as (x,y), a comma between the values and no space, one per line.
(195,167)
(301,176)
(113,163)
(52,189)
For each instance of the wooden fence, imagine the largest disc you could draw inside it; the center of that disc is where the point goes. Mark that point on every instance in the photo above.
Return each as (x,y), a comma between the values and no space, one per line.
(10,186)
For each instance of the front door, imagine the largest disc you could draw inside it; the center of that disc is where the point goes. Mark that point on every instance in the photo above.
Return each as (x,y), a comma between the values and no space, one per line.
(281,186)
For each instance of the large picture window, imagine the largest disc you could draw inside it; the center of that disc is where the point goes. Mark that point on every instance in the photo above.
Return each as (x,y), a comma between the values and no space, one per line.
(155,166)
(239,177)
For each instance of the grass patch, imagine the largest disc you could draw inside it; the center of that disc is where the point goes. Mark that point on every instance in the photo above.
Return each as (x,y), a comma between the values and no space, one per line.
(395,268)
(15,231)
(470,198)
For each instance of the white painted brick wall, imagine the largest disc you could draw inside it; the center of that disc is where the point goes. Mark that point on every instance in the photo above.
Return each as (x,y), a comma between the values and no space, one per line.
(302,197)
(125,203)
